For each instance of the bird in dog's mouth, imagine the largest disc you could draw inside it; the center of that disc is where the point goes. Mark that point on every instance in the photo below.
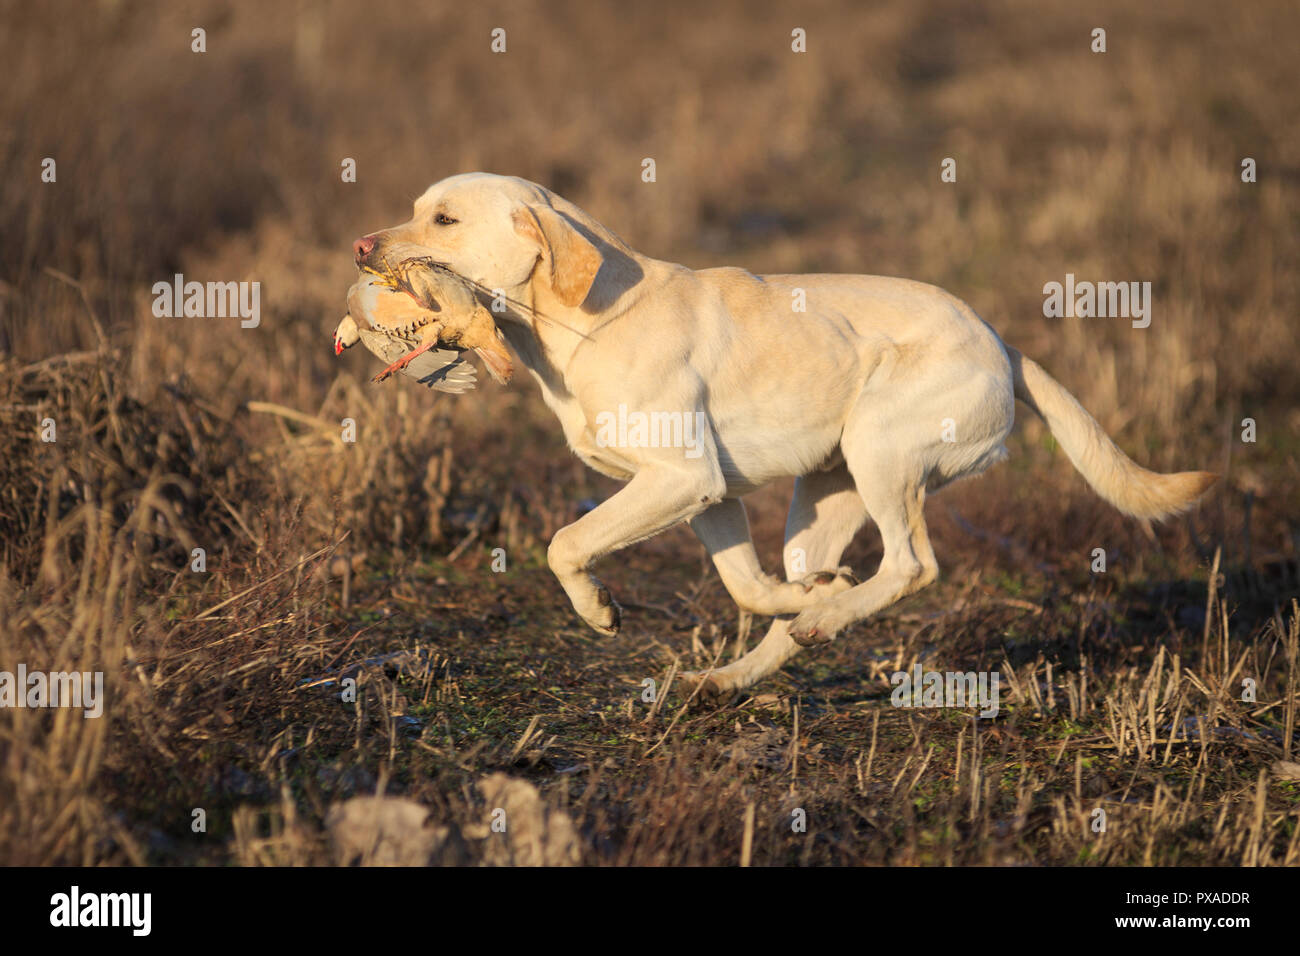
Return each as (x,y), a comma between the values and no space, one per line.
(418,304)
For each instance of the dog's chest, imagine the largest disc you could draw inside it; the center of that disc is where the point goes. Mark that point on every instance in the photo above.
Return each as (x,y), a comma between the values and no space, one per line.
(585,442)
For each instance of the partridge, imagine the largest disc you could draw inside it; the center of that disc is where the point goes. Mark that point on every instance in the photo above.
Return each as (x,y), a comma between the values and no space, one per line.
(441,369)
(417,305)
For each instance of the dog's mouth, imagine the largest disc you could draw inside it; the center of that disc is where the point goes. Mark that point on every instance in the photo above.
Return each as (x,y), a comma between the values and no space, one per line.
(393,274)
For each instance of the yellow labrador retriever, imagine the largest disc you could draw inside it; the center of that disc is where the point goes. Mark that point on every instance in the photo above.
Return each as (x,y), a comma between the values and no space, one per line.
(697,386)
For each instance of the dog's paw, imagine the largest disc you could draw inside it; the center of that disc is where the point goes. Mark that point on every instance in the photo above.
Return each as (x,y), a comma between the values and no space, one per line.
(791,597)
(709,691)
(605,617)
(813,628)
(824,584)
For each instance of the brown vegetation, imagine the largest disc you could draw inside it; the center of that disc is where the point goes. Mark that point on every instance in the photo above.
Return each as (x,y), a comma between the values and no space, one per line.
(326,560)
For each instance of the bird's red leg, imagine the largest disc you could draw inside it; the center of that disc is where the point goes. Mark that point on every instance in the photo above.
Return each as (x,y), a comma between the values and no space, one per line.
(430,340)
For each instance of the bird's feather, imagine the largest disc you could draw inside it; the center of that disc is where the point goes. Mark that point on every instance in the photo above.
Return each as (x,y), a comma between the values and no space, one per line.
(441,369)
(395,310)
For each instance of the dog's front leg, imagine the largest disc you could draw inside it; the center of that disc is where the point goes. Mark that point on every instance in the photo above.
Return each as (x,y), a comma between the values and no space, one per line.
(656,498)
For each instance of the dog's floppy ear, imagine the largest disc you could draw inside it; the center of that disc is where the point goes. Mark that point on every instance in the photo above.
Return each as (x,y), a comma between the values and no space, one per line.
(570,259)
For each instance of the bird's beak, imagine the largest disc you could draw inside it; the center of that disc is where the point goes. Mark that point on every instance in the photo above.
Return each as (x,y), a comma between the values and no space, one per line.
(338,345)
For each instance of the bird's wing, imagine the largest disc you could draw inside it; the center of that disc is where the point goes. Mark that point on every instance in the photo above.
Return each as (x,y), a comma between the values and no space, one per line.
(438,289)
(441,369)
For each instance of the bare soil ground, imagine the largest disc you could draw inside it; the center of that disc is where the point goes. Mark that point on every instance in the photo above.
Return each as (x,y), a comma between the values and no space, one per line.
(1122,692)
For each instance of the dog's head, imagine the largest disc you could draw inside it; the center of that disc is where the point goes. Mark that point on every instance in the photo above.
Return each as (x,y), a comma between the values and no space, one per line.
(499,231)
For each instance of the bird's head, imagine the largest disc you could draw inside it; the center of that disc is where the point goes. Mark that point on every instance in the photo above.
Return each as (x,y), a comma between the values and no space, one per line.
(346,335)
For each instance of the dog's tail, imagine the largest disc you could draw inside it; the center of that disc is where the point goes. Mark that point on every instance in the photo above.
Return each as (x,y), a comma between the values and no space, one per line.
(1112,474)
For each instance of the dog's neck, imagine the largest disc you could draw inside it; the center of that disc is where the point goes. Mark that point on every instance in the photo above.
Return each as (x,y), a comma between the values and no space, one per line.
(545,333)
(533,355)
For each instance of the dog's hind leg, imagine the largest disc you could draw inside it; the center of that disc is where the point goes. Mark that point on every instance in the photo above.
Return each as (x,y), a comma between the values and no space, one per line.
(893,488)
(825,514)
(723,529)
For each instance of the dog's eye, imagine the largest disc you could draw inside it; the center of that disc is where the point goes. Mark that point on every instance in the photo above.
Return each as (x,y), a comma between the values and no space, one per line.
(443,219)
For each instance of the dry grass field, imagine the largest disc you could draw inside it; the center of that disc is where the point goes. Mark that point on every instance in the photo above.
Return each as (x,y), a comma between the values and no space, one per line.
(325,561)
